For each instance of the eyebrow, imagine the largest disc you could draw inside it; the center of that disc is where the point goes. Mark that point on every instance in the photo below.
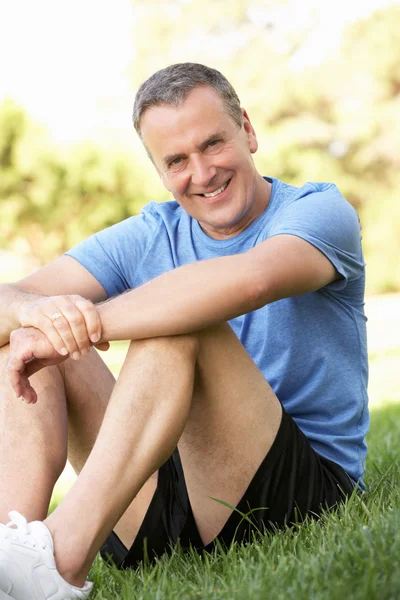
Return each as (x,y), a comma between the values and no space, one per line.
(217,134)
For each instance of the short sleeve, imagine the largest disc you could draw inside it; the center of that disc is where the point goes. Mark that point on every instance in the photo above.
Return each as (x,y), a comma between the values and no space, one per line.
(113,255)
(328,222)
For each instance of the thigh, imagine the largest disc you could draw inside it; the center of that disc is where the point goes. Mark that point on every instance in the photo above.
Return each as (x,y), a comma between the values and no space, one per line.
(292,482)
(233,420)
(232,424)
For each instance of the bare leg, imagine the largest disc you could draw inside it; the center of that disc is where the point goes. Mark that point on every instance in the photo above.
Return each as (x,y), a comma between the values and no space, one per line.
(202,389)
(73,398)
(204,385)
(143,423)
(232,424)
(88,386)
(33,448)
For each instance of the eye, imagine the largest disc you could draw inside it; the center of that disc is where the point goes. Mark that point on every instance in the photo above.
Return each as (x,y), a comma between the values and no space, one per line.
(175,164)
(214,142)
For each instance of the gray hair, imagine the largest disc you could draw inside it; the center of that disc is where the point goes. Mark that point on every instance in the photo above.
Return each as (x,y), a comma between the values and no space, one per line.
(172,85)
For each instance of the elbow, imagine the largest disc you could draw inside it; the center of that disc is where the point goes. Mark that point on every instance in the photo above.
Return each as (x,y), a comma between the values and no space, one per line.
(257,296)
(257,289)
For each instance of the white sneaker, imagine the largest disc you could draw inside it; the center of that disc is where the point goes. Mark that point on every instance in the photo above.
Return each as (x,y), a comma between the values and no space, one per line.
(27,567)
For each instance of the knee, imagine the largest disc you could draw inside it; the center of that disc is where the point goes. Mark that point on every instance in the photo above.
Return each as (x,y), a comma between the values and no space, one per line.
(188,342)
(43,376)
(221,328)
(185,344)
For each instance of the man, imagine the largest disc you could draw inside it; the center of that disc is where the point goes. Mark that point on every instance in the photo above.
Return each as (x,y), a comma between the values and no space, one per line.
(267,411)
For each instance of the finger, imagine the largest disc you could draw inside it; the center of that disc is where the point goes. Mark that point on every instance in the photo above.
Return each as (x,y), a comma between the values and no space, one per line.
(27,392)
(92,318)
(61,325)
(22,387)
(16,360)
(82,318)
(15,368)
(16,382)
(104,346)
(45,324)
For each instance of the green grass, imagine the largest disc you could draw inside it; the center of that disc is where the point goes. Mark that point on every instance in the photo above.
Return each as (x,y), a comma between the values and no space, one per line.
(352,553)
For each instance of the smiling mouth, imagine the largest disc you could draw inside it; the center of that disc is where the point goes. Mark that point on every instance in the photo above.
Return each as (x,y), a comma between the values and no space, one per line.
(218,191)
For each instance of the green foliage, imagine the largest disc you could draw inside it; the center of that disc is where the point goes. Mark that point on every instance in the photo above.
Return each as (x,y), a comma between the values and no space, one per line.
(51,200)
(335,121)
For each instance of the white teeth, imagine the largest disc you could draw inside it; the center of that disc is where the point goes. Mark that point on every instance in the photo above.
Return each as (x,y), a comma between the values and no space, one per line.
(218,191)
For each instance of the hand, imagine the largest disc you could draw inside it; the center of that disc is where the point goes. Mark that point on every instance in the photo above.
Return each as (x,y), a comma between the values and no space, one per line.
(30,351)
(71,323)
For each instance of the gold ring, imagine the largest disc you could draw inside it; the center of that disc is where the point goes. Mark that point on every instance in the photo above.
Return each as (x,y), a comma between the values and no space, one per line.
(55,316)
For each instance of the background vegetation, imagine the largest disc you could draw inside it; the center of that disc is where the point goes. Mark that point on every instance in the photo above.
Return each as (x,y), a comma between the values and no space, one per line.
(335,121)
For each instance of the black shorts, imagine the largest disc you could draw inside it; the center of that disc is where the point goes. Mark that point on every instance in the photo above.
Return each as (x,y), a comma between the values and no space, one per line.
(292,481)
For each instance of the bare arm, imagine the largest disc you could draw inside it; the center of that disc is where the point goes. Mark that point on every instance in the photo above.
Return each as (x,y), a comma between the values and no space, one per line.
(63,276)
(11,300)
(198,295)
(188,299)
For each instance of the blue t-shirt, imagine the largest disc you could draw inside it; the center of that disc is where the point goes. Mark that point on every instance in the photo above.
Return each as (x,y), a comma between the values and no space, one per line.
(311,349)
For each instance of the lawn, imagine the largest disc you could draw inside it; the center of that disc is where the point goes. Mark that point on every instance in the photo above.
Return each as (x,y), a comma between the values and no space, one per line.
(352,554)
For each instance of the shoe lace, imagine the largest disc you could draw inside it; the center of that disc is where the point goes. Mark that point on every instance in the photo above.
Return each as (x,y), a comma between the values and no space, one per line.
(18,529)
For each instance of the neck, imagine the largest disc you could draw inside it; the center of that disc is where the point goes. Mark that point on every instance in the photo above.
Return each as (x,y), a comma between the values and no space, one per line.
(261,198)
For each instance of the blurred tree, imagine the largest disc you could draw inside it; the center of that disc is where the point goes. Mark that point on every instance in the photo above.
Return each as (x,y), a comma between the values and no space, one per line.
(50,201)
(368,117)
(335,119)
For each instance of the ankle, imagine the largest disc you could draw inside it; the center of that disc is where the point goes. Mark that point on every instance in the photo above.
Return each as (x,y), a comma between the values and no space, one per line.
(71,564)
(76,579)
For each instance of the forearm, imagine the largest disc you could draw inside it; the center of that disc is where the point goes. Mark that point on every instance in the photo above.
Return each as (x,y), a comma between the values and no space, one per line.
(186,299)
(12,299)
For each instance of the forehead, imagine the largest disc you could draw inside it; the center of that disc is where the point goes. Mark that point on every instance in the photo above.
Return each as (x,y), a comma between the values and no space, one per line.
(169,129)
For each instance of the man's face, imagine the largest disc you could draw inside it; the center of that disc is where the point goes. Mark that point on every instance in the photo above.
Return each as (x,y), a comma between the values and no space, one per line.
(205,160)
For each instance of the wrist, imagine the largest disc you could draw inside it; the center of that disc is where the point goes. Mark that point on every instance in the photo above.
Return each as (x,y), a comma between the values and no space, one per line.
(20,303)
(12,299)
(100,312)
(110,322)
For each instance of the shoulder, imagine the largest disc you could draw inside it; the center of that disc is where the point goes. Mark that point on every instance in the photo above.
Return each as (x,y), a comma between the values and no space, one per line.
(167,212)
(140,226)
(319,214)
(313,194)
(316,207)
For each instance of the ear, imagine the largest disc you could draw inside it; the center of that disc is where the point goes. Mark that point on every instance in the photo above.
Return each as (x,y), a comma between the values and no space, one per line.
(250,133)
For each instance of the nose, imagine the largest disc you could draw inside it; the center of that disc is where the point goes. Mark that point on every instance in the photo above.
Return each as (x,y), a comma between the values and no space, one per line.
(202,172)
